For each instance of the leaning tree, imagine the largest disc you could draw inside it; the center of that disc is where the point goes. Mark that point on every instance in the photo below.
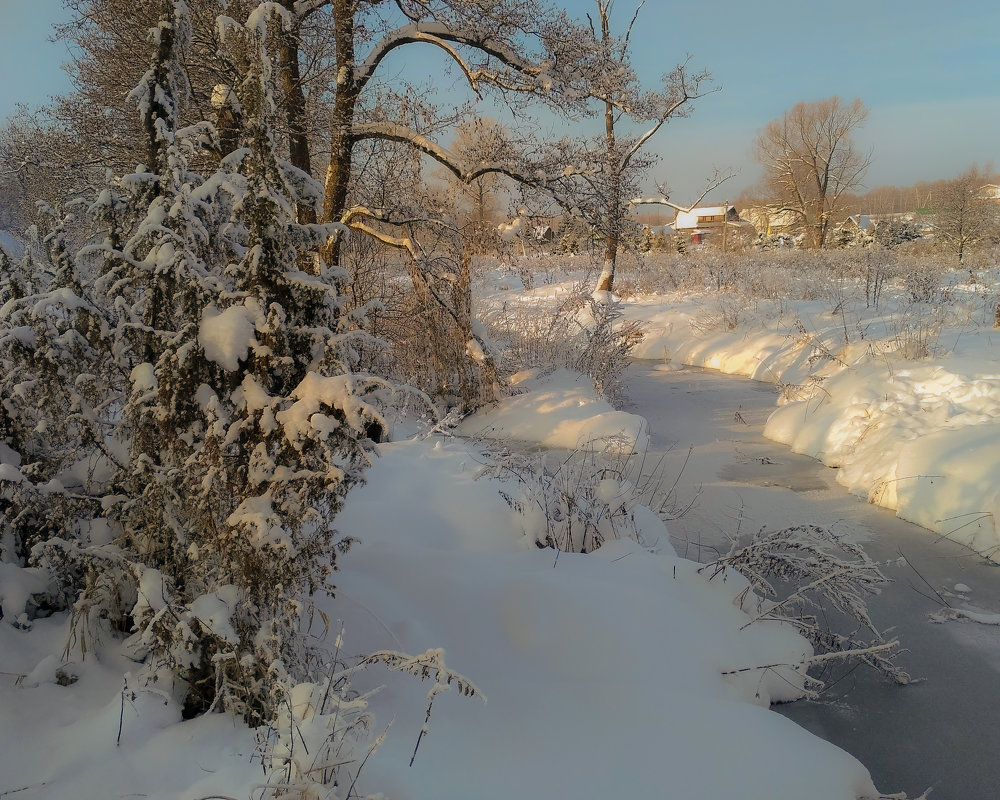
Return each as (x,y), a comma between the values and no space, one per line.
(519,51)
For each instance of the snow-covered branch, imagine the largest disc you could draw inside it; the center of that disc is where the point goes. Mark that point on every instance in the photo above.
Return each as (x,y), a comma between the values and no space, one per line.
(443,35)
(524,173)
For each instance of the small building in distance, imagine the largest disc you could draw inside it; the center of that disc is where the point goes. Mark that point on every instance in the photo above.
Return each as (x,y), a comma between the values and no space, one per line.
(544,233)
(768,221)
(707,221)
(990,192)
(860,222)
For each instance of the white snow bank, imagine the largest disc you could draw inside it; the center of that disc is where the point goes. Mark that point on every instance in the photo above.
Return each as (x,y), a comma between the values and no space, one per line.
(559,410)
(602,672)
(919,437)
(61,742)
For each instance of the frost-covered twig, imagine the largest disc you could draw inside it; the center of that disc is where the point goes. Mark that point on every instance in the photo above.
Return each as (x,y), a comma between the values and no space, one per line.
(820,567)
(429,664)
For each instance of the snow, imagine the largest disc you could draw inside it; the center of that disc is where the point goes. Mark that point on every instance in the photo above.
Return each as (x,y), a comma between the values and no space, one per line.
(10,472)
(227,336)
(618,653)
(919,436)
(560,410)
(214,611)
(622,673)
(16,587)
(303,419)
(143,377)
(256,516)
(614,658)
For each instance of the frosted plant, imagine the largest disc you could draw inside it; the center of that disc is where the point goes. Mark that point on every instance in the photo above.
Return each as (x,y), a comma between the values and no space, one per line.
(582,334)
(816,572)
(576,502)
(56,383)
(246,428)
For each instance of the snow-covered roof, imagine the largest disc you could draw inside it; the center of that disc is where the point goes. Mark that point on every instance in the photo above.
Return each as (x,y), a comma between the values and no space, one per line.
(708,211)
(690,219)
(666,230)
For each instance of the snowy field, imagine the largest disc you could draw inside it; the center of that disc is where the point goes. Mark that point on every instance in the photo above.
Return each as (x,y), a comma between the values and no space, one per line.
(903,398)
(627,672)
(601,675)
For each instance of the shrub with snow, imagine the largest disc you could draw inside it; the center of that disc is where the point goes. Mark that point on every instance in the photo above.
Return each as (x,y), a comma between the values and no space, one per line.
(184,386)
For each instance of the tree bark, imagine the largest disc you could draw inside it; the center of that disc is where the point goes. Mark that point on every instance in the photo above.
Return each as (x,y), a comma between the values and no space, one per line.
(345,100)
(613,209)
(295,110)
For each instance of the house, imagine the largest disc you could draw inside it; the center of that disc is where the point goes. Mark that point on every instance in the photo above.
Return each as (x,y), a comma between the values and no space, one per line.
(990,192)
(859,222)
(770,222)
(700,223)
(659,230)
(544,233)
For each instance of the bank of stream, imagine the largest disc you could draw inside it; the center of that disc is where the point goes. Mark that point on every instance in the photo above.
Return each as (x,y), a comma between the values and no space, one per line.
(939,732)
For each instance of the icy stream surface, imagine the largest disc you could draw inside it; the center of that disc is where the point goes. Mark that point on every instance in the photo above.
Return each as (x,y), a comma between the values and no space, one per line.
(943,731)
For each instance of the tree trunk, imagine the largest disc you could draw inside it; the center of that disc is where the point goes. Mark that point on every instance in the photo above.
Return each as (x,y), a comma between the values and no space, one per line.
(338,174)
(295,110)
(607,280)
(613,209)
(476,376)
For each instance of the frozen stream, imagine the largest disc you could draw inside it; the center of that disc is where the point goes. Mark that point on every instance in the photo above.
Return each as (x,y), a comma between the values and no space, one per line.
(942,732)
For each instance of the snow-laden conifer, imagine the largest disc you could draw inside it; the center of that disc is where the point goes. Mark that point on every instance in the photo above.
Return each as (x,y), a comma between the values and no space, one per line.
(227,423)
(54,382)
(246,429)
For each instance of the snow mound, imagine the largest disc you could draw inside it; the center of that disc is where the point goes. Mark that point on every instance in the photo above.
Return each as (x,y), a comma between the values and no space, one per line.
(620,653)
(559,410)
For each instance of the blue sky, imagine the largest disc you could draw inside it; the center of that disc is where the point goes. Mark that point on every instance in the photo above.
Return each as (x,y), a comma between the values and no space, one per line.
(30,64)
(930,74)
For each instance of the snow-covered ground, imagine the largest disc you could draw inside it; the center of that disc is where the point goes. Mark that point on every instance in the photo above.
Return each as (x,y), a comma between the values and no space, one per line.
(626,672)
(904,400)
(602,673)
(11,244)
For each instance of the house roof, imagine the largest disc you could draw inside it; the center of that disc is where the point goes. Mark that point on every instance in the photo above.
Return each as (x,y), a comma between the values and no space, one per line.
(710,211)
(689,219)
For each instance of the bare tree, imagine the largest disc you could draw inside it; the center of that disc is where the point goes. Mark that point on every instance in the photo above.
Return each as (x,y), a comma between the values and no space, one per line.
(478,140)
(963,217)
(525,49)
(40,159)
(604,192)
(811,162)
(331,51)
